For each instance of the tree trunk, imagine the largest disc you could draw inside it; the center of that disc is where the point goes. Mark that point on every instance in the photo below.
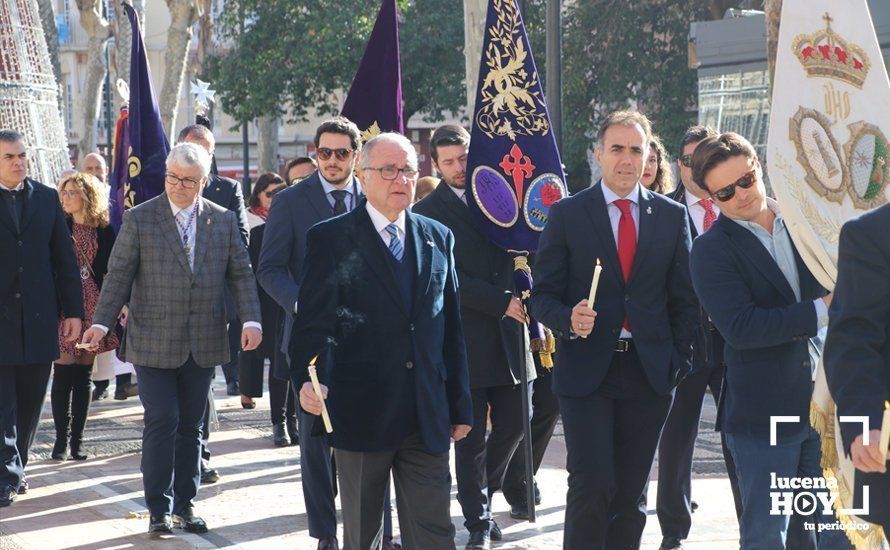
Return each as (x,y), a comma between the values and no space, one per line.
(205,34)
(123,36)
(183,15)
(474,28)
(51,32)
(98,30)
(773,9)
(267,144)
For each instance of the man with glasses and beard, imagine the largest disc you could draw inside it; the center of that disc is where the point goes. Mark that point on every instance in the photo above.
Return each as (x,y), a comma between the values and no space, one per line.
(770,310)
(331,191)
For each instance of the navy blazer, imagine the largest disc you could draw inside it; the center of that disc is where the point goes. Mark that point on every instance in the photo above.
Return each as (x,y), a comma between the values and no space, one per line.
(391,370)
(658,299)
(294,210)
(227,193)
(39,278)
(766,329)
(857,349)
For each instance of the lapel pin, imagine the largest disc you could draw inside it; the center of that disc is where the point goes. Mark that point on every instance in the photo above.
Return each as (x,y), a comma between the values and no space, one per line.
(648,209)
(208,221)
(431,243)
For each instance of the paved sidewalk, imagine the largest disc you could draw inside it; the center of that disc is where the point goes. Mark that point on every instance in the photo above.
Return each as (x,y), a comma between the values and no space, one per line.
(258,503)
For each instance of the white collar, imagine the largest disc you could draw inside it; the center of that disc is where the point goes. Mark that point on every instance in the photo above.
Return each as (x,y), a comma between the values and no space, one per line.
(328,187)
(177,209)
(381,222)
(18,187)
(459,192)
(692,200)
(610,196)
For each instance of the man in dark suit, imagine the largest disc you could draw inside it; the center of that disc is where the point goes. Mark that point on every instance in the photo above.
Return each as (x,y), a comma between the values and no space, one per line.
(381,277)
(227,193)
(769,308)
(40,285)
(620,361)
(331,191)
(857,351)
(494,332)
(172,260)
(677,444)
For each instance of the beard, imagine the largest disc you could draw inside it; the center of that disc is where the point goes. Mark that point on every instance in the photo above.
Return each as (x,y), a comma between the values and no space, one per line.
(457,184)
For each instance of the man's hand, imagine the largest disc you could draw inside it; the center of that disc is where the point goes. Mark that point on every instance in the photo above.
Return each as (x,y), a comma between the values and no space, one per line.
(459,431)
(583,319)
(70,329)
(93,337)
(309,401)
(869,458)
(251,338)
(516,310)
(827,299)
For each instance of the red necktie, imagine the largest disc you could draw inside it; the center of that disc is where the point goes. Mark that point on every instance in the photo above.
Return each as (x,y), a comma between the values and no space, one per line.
(710,215)
(627,241)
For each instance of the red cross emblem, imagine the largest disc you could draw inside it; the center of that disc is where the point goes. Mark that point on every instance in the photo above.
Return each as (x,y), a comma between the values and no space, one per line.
(519,166)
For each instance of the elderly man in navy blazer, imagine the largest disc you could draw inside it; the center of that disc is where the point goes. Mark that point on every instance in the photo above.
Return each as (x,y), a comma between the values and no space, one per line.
(620,361)
(857,351)
(379,301)
(769,309)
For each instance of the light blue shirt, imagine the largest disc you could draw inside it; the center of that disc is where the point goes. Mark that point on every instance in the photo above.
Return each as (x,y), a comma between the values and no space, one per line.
(349,199)
(780,247)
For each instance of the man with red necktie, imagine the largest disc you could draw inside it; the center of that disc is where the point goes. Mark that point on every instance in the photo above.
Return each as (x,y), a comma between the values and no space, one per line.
(675,451)
(621,360)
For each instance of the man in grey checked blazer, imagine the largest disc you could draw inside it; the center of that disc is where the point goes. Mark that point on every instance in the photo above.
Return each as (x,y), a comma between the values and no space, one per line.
(173,258)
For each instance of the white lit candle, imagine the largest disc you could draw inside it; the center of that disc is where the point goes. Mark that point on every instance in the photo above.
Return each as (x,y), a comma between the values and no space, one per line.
(313,376)
(596,281)
(885,429)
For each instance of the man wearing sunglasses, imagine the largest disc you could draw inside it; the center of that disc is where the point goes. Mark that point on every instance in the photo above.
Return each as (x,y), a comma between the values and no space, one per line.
(677,446)
(770,309)
(329,192)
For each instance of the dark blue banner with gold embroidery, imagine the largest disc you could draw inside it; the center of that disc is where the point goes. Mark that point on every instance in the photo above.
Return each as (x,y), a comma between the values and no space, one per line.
(514,166)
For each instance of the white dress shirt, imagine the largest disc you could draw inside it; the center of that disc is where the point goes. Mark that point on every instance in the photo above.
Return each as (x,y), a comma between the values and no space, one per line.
(18,187)
(461,193)
(697,212)
(381,222)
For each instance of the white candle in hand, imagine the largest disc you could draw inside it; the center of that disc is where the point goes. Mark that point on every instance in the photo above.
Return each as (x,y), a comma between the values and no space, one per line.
(313,377)
(885,429)
(596,281)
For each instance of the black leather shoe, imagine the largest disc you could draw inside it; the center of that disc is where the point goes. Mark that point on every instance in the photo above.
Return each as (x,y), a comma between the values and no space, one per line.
(60,448)
(495,532)
(279,435)
(693,505)
(160,525)
(233,389)
(329,543)
(292,431)
(23,487)
(122,392)
(188,521)
(519,510)
(209,475)
(479,540)
(7,496)
(99,394)
(671,543)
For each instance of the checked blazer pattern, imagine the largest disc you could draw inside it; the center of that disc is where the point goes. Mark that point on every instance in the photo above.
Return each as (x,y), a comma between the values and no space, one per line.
(174,310)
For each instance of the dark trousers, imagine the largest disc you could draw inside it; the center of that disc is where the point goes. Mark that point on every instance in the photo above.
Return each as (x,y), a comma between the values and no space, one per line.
(317,476)
(230,369)
(423,487)
(282,400)
(22,391)
(70,398)
(480,464)
(676,450)
(611,437)
(545,415)
(281,394)
(174,402)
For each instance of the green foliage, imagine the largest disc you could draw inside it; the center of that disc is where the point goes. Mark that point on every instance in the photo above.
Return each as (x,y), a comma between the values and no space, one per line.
(296,56)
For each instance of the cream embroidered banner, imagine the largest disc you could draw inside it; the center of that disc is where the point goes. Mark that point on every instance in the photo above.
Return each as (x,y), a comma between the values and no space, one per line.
(827,159)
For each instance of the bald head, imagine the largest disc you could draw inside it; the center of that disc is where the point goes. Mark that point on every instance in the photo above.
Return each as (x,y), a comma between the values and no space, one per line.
(94,164)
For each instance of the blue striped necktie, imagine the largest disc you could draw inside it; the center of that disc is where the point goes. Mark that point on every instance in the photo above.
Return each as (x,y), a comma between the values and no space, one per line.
(395,245)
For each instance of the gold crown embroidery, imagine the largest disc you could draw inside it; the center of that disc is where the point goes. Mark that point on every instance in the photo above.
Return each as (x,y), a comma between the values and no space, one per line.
(825,54)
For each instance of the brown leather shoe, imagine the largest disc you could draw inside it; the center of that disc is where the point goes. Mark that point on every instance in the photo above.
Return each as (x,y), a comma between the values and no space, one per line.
(329,543)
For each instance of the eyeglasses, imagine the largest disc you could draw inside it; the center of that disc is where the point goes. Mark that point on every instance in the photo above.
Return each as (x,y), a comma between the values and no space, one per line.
(686,160)
(325,154)
(391,172)
(185,183)
(70,194)
(728,192)
(297,180)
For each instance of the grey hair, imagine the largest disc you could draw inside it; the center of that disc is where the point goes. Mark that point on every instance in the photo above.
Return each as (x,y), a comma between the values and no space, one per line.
(388,137)
(8,135)
(187,155)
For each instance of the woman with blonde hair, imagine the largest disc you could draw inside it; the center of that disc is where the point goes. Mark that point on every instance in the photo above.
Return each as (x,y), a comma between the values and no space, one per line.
(657,176)
(86,206)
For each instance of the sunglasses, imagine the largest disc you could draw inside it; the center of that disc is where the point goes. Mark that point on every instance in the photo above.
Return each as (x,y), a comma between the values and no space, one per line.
(686,160)
(728,192)
(325,154)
